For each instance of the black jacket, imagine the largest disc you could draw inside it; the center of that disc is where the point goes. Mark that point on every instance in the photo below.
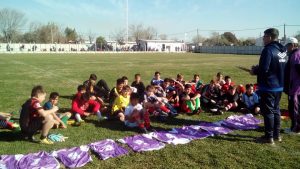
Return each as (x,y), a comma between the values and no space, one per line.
(271,67)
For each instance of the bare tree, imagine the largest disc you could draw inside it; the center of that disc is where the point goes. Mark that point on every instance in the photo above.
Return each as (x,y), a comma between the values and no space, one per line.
(10,22)
(119,36)
(149,33)
(91,36)
(139,32)
(136,32)
(163,37)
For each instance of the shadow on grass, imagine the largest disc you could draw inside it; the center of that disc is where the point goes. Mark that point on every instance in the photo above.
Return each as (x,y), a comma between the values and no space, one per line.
(64,110)
(235,138)
(67,97)
(115,125)
(10,136)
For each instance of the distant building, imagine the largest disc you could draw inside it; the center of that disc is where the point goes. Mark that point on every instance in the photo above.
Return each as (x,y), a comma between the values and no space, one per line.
(161,45)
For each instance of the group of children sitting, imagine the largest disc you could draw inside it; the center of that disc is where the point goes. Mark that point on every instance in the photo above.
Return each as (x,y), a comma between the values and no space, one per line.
(135,104)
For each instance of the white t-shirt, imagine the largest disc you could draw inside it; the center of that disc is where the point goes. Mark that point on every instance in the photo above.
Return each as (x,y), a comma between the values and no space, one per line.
(129,109)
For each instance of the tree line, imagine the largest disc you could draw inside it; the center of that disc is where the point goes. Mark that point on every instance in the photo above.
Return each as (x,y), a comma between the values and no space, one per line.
(12,21)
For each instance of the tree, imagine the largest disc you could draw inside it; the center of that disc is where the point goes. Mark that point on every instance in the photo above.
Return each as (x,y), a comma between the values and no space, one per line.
(198,39)
(101,42)
(139,32)
(216,40)
(49,33)
(230,37)
(91,36)
(10,22)
(248,42)
(71,35)
(119,36)
(163,37)
(149,33)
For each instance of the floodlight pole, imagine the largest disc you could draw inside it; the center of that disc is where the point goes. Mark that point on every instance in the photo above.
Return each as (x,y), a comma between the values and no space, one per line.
(127,21)
(284,35)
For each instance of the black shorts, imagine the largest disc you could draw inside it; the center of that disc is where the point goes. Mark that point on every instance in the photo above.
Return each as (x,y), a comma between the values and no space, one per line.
(35,125)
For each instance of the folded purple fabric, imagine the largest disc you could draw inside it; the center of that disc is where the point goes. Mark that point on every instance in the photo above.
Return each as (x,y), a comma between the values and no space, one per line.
(41,160)
(143,142)
(242,122)
(191,133)
(213,128)
(10,161)
(170,138)
(108,149)
(73,157)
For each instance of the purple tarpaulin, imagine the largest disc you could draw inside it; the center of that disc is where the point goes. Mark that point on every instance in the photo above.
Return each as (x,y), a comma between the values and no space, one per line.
(191,133)
(242,122)
(40,160)
(73,157)
(213,128)
(10,161)
(142,143)
(170,138)
(107,149)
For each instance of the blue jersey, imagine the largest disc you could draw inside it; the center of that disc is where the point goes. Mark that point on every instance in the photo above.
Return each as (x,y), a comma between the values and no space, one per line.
(48,105)
(250,100)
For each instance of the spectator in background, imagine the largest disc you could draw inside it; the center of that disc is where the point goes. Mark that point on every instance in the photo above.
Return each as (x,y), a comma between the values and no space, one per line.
(292,82)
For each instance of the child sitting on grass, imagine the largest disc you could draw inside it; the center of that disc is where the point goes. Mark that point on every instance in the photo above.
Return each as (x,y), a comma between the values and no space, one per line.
(139,85)
(5,123)
(136,115)
(120,103)
(155,104)
(190,102)
(156,79)
(197,83)
(83,105)
(34,118)
(250,101)
(228,83)
(230,99)
(116,91)
(60,119)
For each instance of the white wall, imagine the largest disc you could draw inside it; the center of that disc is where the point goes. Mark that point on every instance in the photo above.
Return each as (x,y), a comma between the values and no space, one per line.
(169,47)
(26,47)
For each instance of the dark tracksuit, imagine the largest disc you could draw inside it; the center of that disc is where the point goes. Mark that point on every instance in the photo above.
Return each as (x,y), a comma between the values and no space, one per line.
(270,80)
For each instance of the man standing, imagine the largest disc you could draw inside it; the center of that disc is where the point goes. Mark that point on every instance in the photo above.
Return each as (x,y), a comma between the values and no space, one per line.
(292,82)
(270,80)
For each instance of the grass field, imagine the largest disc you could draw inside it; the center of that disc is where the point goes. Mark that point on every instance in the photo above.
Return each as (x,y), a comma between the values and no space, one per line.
(63,72)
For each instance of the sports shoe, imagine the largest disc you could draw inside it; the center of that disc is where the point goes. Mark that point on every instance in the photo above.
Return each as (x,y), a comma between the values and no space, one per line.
(219,112)
(46,141)
(279,139)
(265,140)
(102,118)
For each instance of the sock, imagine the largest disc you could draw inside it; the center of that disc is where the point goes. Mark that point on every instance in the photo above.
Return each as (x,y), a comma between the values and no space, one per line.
(43,137)
(64,119)
(78,117)
(99,115)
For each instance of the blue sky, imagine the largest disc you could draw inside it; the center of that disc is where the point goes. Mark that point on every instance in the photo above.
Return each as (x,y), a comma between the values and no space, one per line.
(171,17)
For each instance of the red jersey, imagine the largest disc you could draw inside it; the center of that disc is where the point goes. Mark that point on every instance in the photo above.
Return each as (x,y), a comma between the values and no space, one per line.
(80,105)
(34,107)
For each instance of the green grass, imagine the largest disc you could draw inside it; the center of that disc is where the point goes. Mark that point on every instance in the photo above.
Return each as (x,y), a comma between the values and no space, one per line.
(63,72)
